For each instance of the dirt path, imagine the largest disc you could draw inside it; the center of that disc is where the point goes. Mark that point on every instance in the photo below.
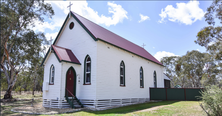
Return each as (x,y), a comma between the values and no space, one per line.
(152,108)
(37,108)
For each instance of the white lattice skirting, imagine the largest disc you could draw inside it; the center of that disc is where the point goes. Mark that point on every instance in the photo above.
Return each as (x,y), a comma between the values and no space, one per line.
(54,103)
(100,104)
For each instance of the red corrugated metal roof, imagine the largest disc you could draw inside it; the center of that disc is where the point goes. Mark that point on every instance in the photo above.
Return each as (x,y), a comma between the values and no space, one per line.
(65,54)
(103,34)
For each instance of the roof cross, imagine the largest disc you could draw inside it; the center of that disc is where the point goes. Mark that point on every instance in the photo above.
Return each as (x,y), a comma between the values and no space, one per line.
(143,45)
(69,6)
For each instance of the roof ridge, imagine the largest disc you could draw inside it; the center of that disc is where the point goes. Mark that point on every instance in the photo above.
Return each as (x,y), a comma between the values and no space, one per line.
(105,29)
(112,38)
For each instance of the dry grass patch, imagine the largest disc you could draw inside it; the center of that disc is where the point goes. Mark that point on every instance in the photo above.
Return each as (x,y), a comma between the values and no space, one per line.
(24,100)
(23,94)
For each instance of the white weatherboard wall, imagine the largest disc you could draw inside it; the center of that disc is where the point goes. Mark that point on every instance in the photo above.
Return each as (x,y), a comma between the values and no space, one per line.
(54,90)
(81,44)
(108,73)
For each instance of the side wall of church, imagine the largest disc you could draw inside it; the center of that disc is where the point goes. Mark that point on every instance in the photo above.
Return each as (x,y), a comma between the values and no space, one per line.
(53,90)
(108,73)
(81,44)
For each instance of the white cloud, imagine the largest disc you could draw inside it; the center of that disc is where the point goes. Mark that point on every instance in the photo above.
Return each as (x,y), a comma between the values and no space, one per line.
(51,35)
(162,54)
(186,13)
(211,43)
(82,8)
(143,18)
(54,24)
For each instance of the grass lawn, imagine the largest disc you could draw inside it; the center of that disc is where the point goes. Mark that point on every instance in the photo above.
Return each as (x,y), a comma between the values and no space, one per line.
(164,108)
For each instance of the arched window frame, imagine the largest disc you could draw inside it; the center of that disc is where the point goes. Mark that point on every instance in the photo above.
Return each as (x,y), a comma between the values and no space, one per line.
(155,79)
(122,74)
(87,70)
(52,75)
(141,78)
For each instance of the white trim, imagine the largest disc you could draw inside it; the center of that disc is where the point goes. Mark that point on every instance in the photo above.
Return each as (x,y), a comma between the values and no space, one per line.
(87,72)
(52,74)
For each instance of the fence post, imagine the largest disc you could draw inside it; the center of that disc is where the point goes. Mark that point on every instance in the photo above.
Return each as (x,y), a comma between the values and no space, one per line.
(150,92)
(185,93)
(166,93)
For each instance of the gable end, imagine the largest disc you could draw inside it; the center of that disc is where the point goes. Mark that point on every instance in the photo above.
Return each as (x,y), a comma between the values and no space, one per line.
(83,26)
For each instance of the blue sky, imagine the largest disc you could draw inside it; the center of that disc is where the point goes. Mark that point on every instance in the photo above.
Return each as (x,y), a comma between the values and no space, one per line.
(167,28)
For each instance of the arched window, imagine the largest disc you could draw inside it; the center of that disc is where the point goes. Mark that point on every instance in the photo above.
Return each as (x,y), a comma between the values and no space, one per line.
(52,75)
(141,78)
(122,74)
(87,70)
(154,79)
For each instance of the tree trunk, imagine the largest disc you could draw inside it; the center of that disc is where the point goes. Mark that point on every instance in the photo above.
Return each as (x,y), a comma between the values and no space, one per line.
(8,94)
(20,91)
(33,91)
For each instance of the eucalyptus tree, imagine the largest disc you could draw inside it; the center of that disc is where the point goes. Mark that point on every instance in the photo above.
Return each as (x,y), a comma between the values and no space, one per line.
(20,44)
(170,63)
(36,73)
(192,67)
(211,36)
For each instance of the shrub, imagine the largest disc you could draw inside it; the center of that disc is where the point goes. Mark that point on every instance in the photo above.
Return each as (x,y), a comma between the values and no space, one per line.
(212,100)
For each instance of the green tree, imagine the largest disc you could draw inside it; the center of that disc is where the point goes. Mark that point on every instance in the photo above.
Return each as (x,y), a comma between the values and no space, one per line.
(211,36)
(36,73)
(19,43)
(195,69)
(192,66)
(170,63)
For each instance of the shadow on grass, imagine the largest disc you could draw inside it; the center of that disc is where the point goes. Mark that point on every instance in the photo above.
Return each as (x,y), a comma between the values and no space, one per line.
(131,108)
(7,106)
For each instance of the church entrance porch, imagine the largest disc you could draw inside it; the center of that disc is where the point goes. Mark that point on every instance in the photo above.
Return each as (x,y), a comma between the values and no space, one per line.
(71,82)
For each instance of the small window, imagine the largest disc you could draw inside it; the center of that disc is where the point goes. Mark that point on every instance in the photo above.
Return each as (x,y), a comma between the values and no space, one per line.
(52,75)
(71,25)
(141,78)
(154,79)
(122,74)
(87,72)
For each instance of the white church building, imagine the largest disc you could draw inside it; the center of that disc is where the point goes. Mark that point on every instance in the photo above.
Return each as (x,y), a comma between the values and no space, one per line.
(96,68)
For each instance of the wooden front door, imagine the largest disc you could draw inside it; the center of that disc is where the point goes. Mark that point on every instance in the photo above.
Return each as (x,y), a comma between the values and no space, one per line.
(71,81)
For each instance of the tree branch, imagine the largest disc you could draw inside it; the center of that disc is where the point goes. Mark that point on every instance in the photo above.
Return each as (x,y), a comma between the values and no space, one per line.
(6,73)
(204,109)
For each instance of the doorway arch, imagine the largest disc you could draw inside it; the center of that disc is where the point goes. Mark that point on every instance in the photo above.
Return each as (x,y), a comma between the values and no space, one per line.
(71,81)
